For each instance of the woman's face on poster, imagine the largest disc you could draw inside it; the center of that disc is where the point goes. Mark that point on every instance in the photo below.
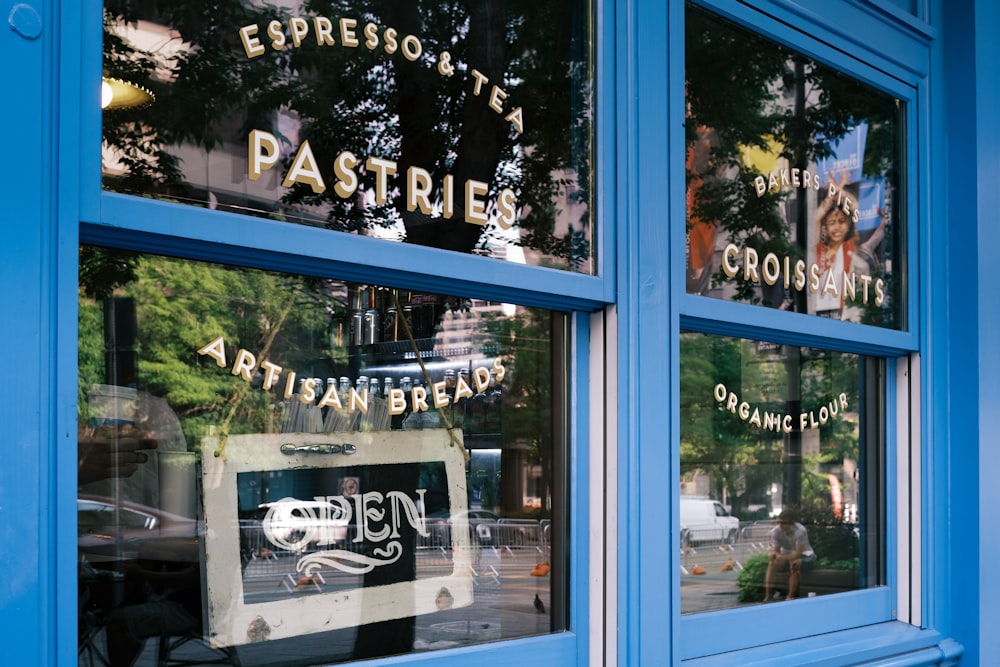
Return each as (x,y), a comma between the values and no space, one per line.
(838,227)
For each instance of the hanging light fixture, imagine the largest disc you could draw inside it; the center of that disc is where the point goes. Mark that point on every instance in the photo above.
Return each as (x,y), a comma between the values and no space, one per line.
(119,94)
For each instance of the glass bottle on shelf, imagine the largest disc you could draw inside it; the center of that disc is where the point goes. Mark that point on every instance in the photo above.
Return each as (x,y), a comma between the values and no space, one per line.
(417,384)
(432,308)
(390,325)
(408,422)
(408,318)
(372,320)
(429,417)
(361,387)
(357,324)
(423,310)
(395,421)
(344,392)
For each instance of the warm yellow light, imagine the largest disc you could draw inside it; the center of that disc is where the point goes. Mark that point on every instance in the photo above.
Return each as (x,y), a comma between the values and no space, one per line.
(118,94)
(106,94)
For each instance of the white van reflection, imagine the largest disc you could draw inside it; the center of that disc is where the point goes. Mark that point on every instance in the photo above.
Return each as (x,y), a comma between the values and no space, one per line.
(706,520)
(295,525)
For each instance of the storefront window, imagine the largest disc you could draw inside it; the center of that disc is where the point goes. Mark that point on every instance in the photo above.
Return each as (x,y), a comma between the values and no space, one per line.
(794,194)
(782,472)
(278,465)
(464,126)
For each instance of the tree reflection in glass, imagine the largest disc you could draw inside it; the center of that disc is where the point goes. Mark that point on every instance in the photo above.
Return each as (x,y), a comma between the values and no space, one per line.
(152,333)
(794,198)
(767,428)
(458,125)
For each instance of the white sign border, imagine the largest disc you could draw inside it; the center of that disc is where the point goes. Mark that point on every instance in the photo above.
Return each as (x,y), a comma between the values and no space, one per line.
(231,622)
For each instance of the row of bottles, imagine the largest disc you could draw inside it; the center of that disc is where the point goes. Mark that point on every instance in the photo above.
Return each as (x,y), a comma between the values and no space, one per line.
(382,315)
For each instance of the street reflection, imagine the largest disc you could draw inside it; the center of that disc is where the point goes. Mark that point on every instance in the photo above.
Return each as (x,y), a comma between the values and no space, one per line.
(774,508)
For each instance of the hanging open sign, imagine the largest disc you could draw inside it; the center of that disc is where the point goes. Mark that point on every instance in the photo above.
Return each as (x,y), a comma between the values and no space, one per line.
(311,532)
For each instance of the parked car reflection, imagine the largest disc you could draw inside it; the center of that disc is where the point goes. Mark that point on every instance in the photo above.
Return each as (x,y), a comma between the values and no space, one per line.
(106,527)
(704,520)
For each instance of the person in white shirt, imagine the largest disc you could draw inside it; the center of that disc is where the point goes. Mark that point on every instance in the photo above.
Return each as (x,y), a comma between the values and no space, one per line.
(789,552)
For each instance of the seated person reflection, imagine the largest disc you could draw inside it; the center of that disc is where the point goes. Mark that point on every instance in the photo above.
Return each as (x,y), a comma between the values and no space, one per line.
(156,565)
(789,552)
(159,602)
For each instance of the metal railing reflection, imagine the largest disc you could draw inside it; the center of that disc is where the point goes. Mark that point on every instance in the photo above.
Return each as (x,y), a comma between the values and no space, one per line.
(724,554)
(512,545)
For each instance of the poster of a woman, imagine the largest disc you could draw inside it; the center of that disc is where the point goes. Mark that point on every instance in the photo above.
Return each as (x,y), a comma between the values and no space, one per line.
(840,250)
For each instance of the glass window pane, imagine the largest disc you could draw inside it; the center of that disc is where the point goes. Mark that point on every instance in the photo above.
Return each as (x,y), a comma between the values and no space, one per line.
(464,126)
(312,469)
(782,462)
(794,184)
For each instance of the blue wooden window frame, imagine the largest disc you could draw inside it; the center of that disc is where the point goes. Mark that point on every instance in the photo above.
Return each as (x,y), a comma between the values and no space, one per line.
(91,215)
(883,47)
(715,633)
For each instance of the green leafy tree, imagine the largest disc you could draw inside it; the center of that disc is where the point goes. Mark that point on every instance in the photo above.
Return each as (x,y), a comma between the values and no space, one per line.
(739,459)
(182,307)
(528,410)
(825,376)
(743,460)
